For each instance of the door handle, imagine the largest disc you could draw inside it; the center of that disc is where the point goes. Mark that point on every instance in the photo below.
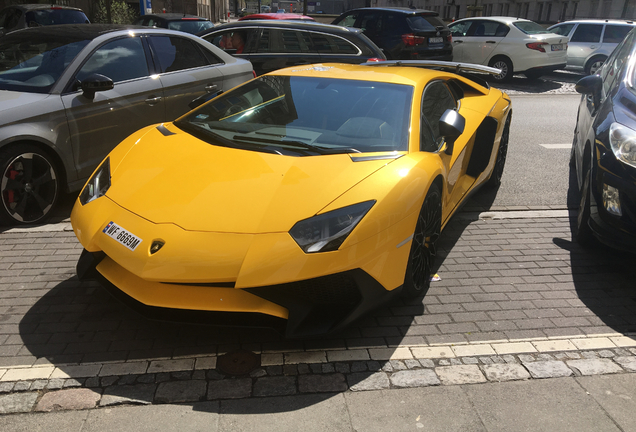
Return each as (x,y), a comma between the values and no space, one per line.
(211,88)
(491,42)
(152,100)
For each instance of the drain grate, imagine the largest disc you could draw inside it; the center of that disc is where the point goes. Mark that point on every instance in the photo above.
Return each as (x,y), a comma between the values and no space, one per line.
(240,362)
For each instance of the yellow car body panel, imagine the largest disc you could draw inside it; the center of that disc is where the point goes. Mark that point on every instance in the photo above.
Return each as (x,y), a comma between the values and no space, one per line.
(223,215)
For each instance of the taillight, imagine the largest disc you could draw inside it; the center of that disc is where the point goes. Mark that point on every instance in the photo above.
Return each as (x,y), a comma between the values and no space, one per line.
(254,73)
(412,40)
(537,46)
(375,59)
(449,38)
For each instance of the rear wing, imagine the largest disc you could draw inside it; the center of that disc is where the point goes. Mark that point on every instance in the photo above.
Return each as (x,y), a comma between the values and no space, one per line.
(464,69)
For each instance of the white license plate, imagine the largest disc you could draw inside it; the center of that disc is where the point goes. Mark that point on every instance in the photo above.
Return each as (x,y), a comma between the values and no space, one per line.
(557,47)
(122,236)
(435,40)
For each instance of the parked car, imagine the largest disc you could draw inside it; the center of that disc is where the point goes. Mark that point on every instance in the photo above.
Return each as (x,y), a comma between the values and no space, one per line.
(69,94)
(272,44)
(402,33)
(335,181)
(175,21)
(514,45)
(276,16)
(591,41)
(34,15)
(604,151)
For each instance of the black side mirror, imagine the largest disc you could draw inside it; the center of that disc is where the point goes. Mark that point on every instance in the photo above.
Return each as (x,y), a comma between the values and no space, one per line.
(451,126)
(591,85)
(94,83)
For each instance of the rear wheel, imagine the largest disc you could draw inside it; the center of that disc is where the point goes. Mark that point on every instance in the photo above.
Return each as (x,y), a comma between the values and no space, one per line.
(500,162)
(424,246)
(594,64)
(29,184)
(505,65)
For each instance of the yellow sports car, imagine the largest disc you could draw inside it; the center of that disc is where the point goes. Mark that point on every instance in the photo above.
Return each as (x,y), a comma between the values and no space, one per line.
(309,195)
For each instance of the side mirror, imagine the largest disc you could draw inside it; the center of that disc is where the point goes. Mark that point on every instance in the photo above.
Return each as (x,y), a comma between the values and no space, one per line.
(591,85)
(94,83)
(451,126)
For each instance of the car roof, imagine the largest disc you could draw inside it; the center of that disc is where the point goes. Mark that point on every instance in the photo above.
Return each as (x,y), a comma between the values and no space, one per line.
(404,10)
(596,21)
(292,24)
(88,31)
(277,16)
(175,16)
(35,6)
(503,19)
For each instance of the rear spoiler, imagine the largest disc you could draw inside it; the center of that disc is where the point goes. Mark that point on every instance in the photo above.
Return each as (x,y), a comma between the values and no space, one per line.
(463,69)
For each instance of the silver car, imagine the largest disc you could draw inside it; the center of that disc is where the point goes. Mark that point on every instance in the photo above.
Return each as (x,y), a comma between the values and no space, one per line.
(591,41)
(69,94)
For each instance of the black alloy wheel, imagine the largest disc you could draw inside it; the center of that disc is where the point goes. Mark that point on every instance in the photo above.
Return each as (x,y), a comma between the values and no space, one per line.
(502,152)
(29,186)
(584,234)
(424,246)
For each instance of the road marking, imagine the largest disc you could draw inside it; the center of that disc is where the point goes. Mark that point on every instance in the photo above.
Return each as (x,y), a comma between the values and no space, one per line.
(556,146)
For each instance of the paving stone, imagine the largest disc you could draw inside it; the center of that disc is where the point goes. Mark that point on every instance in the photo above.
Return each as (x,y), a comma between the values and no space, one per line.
(142,394)
(548,369)
(274,370)
(627,362)
(589,355)
(315,368)
(343,368)
(68,399)
(55,384)
(38,384)
(107,381)
(594,366)
(427,363)
(526,358)
(181,375)
(6,387)
(363,366)
(257,373)
(465,374)
(444,362)
(328,368)
(414,378)
(606,354)
(303,368)
(470,360)
(72,382)
(387,367)
(397,365)
(412,364)
(362,381)
(214,375)
(92,382)
(455,362)
(486,360)
(180,391)
(171,365)
(544,357)
(505,372)
(507,359)
(17,402)
(275,386)
(230,389)
(22,386)
(124,368)
(322,383)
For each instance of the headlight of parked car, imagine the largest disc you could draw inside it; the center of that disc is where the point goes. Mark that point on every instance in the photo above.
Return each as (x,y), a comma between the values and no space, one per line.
(327,231)
(623,142)
(97,185)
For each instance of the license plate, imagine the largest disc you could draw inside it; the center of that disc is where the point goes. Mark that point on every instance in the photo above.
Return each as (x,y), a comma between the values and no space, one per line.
(122,236)
(435,40)
(557,47)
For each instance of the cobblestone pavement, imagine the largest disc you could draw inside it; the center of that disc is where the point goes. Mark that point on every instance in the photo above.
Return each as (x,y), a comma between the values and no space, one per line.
(517,300)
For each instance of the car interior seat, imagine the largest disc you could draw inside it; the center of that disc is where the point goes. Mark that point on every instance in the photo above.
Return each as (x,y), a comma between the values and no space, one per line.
(481,29)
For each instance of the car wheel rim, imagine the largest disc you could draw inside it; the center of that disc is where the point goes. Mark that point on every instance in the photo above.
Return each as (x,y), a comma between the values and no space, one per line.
(595,67)
(28,188)
(425,238)
(504,69)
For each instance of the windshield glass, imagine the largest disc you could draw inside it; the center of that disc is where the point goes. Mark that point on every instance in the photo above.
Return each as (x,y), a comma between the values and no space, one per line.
(55,16)
(34,62)
(530,27)
(190,26)
(306,116)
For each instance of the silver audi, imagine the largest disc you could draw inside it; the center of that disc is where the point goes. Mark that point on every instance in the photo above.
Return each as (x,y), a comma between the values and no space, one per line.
(69,94)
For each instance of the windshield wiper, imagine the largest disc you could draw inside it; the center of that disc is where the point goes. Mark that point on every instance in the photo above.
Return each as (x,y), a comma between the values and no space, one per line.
(297,144)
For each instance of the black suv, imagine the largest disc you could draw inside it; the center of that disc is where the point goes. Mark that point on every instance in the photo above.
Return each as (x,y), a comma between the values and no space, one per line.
(273,44)
(174,21)
(34,15)
(403,33)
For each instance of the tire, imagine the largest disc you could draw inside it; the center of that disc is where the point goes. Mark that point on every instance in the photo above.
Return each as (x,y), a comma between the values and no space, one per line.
(584,235)
(29,185)
(424,246)
(505,65)
(594,64)
(502,152)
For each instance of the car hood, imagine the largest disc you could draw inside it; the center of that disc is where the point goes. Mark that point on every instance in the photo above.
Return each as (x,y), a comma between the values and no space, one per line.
(182,180)
(12,101)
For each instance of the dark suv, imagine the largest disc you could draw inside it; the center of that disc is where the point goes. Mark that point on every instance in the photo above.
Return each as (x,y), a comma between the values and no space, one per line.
(272,44)
(34,15)
(402,33)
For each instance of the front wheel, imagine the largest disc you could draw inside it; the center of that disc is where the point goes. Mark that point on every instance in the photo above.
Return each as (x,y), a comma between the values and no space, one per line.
(424,246)
(29,186)
(584,234)
(505,65)
(500,162)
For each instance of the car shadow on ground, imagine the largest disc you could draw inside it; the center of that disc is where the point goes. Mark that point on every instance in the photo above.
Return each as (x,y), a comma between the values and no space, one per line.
(603,277)
(552,82)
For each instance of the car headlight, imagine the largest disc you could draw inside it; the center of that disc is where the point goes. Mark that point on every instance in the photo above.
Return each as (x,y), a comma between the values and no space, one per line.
(326,232)
(623,142)
(97,185)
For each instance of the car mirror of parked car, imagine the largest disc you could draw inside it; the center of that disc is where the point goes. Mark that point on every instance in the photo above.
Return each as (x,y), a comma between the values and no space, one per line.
(451,126)
(591,85)
(95,83)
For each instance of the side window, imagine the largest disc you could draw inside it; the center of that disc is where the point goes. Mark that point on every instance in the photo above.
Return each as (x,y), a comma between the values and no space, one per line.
(502,30)
(293,42)
(436,100)
(563,29)
(615,33)
(391,24)
(613,65)
(349,20)
(460,29)
(10,19)
(478,28)
(119,60)
(370,24)
(243,41)
(327,44)
(587,33)
(175,53)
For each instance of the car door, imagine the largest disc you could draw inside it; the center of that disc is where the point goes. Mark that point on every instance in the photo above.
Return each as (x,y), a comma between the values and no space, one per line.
(585,39)
(332,48)
(459,31)
(185,71)
(97,125)
(482,40)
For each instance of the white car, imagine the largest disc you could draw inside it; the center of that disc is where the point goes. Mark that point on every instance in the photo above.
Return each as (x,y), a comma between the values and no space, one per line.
(513,45)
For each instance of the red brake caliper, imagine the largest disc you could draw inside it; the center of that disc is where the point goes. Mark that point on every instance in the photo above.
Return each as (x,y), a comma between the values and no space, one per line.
(10,194)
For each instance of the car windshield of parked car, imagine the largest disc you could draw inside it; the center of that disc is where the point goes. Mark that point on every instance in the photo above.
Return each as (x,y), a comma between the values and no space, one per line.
(190,26)
(303,116)
(34,62)
(55,16)
(425,23)
(530,27)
